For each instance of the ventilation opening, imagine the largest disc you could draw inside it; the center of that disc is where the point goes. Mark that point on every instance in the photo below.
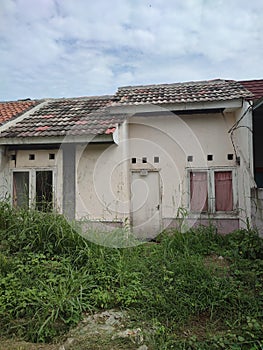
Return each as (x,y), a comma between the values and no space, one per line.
(52,156)
(144,160)
(156,159)
(190,158)
(133,160)
(230,156)
(31,157)
(210,157)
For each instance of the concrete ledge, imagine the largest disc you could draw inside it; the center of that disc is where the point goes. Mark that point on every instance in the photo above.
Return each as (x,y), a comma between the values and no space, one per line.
(223,226)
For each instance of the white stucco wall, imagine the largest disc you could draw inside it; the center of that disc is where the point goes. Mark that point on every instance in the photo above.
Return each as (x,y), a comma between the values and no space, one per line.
(243,141)
(103,185)
(175,138)
(102,191)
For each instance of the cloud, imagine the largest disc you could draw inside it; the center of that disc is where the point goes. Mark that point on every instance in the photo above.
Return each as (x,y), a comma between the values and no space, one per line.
(55,48)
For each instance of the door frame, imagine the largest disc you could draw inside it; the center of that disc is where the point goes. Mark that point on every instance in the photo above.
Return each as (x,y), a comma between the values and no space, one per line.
(154,170)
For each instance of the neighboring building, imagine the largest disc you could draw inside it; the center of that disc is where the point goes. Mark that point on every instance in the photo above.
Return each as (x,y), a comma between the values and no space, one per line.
(256,87)
(11,110)
(150,156)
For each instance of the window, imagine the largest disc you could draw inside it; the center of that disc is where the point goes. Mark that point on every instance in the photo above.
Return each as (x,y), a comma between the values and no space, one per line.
(44,191)
(33,188)
(223,191)
(211,190)
(21,189)
(198,190)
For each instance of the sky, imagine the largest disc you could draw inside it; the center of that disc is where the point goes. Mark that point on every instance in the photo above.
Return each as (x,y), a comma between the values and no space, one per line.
(71,48)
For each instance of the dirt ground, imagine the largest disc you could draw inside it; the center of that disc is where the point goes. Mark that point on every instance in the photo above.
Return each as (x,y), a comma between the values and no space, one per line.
(22,345)
(106,330)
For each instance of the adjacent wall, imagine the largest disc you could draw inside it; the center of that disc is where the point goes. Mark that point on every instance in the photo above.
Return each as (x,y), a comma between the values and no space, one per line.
(242,136)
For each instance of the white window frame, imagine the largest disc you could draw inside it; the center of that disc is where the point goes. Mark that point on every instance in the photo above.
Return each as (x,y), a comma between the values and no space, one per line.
(211,190)
(32,183)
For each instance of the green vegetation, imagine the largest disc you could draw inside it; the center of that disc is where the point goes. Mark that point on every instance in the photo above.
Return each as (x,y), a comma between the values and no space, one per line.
(197,290)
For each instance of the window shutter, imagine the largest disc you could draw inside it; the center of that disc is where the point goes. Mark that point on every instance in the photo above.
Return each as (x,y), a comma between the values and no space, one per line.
(223,191)
(198,190)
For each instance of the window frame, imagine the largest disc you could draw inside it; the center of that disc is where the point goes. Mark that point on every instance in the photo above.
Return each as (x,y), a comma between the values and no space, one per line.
(211,190)
(32,183)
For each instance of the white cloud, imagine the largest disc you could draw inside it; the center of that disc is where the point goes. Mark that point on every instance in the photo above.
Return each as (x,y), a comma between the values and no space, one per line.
(52,48)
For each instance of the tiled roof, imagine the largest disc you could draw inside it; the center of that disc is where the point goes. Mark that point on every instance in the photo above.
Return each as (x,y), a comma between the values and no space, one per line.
(255,86)
(200,91)
(62,117)
(90,115)
(9,110)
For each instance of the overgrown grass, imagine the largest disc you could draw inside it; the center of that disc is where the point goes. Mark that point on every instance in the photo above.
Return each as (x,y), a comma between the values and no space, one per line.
(197,290)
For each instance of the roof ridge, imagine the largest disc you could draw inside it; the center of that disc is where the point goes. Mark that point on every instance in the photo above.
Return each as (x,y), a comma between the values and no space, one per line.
(249,80)
(198,82)
(20,101)
(99,97)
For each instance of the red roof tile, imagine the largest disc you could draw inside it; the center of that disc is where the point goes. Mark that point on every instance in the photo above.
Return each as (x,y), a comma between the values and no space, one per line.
(9,110)
(200,91)
(255,86)
(62,117)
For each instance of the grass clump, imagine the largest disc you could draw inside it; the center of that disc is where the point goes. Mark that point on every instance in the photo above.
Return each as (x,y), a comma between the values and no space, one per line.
(194,290)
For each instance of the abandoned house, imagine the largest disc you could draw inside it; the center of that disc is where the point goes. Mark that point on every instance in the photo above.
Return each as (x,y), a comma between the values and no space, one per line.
(150,156)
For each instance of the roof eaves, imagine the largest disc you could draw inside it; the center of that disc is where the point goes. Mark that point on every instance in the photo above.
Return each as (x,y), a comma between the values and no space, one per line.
(41,140)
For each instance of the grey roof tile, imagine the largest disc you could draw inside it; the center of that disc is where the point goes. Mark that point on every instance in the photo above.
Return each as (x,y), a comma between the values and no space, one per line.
(76,116)
(91,115)
(200,91)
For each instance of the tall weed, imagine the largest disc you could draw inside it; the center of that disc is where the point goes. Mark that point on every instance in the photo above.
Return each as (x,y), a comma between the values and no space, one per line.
(50,275)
